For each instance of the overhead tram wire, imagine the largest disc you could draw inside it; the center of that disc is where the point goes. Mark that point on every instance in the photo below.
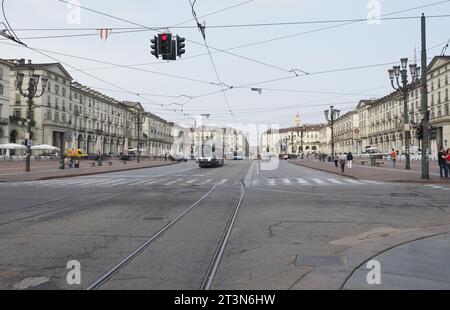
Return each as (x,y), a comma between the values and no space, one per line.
(149,101)
(247,86)
(387,14)
(212,60)
(265,41)
(294,23)
(187,40)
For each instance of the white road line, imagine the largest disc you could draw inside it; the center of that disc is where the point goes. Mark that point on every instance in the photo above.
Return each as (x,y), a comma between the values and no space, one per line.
(351,181)
(319,181)
(223,181)
(206,182)
(191,181)
(371,182)
(138,182)
(112,183)
(89,181)
(287,182)
(170,183)
(335,181)
(271,182)
(302,181)
(156,181)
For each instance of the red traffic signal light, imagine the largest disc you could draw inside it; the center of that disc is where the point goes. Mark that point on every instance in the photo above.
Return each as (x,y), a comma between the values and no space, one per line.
(165,43)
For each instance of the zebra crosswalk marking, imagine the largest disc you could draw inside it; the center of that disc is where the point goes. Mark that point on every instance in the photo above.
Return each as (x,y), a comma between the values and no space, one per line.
(223,181)
(351,181)
(335,181)
(206,182)
(170,183)
(319,181)
(302,181)
(287,182)
(156,181)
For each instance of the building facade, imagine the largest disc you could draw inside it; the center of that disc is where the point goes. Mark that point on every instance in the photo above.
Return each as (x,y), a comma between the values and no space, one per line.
(347,133)
(4,101)
(159,136)
(71,115)
(295,140)
(382,121)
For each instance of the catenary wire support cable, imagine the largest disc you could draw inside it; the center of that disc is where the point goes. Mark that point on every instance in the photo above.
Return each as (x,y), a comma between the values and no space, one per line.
(212,60)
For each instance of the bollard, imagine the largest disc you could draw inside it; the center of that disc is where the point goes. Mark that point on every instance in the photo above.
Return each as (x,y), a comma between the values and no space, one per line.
(61,164)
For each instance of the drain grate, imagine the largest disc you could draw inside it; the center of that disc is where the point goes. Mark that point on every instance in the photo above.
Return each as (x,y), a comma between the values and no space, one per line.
(318,260)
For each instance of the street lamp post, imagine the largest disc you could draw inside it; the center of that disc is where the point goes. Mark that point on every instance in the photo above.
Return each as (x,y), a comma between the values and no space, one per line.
(400,75)
(30,93)
(300,130)
(203,126)
(140,120)
(331,116)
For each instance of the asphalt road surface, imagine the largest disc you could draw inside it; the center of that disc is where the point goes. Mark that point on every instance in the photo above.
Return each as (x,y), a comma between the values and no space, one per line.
(284,213)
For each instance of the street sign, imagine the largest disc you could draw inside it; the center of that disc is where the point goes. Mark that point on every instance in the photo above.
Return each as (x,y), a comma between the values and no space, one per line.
(29,142)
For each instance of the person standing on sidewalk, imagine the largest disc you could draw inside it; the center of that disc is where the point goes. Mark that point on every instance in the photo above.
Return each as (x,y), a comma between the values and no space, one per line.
(443,166)
(336,160)
(447,161)
(393,158)
(350,160)
(342,161)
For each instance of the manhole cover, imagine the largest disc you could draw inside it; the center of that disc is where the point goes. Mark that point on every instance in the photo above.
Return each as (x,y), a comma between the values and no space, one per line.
(317,260)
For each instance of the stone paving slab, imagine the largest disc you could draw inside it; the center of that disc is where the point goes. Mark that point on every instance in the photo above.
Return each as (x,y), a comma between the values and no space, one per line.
(395,245)
(422,264)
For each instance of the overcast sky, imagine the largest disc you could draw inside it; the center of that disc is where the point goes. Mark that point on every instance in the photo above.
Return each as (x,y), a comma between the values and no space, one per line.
(351,45)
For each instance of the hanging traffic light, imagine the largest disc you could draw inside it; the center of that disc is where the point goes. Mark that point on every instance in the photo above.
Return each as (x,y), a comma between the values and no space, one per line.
(165,43)
(180,46)
(155,47)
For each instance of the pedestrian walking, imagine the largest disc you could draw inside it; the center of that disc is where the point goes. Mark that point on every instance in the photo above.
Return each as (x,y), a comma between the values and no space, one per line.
(447,159)
(342,161)
(393,158)
(443,165)
(350,160)
(336,160)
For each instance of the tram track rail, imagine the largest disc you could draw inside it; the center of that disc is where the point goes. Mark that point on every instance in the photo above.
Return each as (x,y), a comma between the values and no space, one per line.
(218,254)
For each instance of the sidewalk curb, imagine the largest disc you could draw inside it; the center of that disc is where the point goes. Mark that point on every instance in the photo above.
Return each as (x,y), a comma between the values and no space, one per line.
(357,255)
(81,174)
(430,181)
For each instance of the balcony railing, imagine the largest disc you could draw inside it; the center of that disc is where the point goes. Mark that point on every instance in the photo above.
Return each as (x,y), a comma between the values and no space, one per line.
(59,123)
(4,121)
(20,121)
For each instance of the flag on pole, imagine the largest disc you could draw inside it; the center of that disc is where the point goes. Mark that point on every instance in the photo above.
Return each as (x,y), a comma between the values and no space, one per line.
(104,33)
